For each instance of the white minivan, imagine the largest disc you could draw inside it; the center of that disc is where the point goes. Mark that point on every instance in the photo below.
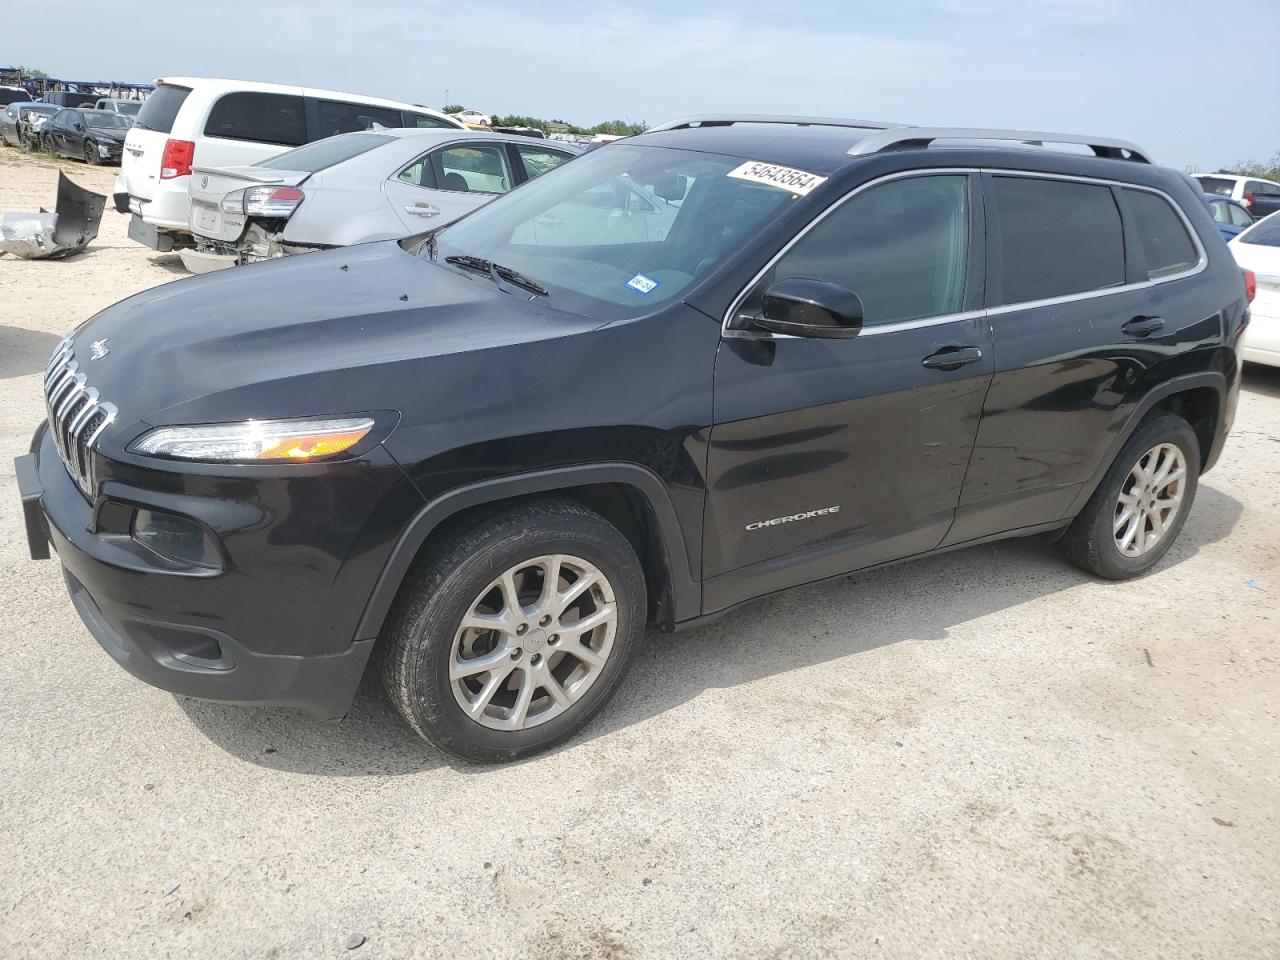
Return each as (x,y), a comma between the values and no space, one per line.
(218,123)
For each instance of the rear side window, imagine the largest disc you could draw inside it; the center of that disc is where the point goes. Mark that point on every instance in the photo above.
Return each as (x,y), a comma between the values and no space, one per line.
(323,154)
(260,117)
(335,116)
(472,167)
(1219,185)
(1165,241)
(902,247)
(161,108)
(424,120)
(1057,238)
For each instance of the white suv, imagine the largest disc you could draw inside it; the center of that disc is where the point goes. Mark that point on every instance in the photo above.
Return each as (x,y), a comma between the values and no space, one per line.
(219,123)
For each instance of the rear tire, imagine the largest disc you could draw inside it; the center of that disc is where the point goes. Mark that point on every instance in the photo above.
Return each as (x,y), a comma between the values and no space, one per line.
(485,596)
(1141,504)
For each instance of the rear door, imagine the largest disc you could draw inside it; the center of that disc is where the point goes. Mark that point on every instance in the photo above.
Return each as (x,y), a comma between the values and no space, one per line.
(829,455)
(445,183)
(144,143)
(1077,330)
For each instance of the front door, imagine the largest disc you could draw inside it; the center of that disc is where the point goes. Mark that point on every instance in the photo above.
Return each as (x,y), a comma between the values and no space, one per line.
(830,455)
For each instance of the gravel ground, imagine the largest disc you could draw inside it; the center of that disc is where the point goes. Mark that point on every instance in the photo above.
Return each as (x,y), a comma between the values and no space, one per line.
(985,754)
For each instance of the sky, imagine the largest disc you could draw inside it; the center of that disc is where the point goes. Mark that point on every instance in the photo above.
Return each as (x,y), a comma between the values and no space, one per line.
(1196,84)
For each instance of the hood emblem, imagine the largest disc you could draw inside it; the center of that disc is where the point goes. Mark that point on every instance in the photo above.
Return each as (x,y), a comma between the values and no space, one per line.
(99,349)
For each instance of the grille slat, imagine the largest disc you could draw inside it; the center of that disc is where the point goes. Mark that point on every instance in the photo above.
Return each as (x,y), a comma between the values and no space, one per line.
(77,414)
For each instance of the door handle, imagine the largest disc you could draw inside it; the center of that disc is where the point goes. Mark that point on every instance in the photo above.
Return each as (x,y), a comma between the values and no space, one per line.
(1143,326)
(422,210)
(952,358)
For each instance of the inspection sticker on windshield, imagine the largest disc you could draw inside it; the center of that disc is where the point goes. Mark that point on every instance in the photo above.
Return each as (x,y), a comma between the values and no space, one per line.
(799,182)
(642,284)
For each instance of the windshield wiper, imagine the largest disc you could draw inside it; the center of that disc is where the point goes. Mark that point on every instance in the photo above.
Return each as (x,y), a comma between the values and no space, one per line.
(497,271)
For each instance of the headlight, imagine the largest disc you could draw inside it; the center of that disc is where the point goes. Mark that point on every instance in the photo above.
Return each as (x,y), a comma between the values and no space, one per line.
(254,440)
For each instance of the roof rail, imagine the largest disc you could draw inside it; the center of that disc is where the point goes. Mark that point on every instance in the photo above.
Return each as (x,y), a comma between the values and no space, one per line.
(728,119)
(906,137)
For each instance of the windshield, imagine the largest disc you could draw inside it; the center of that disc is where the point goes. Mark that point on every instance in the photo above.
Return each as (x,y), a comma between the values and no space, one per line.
(314,157)
(619,230)
(107,121)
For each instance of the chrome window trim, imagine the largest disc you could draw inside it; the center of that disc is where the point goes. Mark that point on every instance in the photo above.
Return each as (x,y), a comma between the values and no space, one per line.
(1200,266)
(727,331)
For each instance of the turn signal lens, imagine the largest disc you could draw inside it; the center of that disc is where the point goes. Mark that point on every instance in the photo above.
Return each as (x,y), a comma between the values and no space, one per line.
(313,445)
(256,440)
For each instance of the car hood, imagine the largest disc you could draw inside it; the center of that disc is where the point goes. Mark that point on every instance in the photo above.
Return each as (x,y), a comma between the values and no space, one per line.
(104,133)
(359,329)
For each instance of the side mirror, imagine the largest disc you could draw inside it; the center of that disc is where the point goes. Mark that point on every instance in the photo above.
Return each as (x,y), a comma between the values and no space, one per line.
(811,308)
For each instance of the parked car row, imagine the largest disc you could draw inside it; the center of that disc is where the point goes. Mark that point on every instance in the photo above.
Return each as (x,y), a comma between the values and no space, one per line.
(213,123)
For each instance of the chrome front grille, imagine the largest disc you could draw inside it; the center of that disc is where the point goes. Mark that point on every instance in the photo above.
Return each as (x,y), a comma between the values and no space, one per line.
(77,414)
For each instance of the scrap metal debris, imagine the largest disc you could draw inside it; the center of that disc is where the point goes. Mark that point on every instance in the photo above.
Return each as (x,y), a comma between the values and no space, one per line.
(66,231)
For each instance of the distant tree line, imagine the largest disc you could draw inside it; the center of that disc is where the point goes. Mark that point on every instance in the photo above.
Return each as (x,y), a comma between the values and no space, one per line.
(1252,168)
(617,128)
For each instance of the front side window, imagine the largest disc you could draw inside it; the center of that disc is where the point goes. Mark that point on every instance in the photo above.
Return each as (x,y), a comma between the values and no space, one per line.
(1165,242)
(1057,238)
(260,117)
(335,116)
(902,247)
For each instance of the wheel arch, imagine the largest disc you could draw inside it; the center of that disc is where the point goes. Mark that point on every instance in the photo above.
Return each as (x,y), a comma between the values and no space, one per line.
(629,496)
(1199,398)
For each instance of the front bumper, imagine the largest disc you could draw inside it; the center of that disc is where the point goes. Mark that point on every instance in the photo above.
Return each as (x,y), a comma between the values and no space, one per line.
(191,635)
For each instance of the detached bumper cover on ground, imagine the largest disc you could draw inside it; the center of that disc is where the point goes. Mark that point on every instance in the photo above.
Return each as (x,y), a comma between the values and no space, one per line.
(44,235)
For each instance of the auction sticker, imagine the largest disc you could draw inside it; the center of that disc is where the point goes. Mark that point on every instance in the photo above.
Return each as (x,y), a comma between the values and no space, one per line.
(642,284)
(799,182)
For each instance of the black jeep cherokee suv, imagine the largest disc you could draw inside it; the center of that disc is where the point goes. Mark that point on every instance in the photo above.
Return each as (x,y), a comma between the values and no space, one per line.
(722,358)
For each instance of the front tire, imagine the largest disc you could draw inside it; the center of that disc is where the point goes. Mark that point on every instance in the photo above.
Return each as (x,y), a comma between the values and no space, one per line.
(516,633)
(1142,503)
(90,154)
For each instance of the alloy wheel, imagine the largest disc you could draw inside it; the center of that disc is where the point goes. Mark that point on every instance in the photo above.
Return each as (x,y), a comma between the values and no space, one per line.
(1149,500)
(533,642)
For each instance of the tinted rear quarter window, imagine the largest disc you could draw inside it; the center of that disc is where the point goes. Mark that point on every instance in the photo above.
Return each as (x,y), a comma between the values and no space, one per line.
(1266,233)
(424,120)
(335,116)
(260,117)
(161,108)
(1219,185)
(1165,241)
(1057,238)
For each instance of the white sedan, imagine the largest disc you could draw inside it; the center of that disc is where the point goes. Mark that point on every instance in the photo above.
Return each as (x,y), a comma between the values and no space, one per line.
(354,188)
(1258,249)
